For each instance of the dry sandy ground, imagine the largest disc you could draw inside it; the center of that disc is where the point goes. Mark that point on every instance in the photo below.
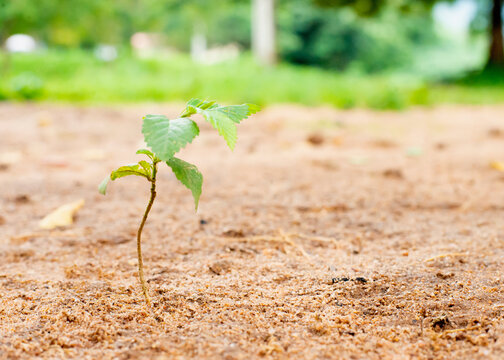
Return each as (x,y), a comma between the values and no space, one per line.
(326,234)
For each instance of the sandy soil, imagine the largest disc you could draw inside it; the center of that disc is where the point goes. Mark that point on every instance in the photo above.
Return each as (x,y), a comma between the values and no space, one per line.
(326,234)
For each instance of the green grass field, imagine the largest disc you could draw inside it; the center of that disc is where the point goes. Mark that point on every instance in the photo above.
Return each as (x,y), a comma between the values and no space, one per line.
(77,76)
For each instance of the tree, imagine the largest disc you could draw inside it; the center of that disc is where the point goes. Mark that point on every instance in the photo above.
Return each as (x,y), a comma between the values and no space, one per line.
(496,56)
(371,7)
(263,31)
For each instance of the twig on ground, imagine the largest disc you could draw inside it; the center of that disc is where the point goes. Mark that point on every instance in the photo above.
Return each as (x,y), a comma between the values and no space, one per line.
(463,329)
(446,255)
(314,238)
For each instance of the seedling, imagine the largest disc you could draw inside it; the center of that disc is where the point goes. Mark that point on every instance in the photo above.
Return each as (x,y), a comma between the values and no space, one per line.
(165,138)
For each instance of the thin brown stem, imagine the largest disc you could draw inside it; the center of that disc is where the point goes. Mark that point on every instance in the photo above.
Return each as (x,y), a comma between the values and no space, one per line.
(145,289)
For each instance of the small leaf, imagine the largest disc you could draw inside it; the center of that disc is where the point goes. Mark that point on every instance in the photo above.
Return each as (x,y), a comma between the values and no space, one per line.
(146,152)
(166,137)
(62,216)
(222,118)
(196,103)
(134,169)
(189,175)
(102,188)
(147,166)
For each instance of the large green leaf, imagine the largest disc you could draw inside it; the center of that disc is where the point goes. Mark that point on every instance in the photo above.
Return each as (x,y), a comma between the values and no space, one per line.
(189,175)
(166,137)
(127,170)
(222,118)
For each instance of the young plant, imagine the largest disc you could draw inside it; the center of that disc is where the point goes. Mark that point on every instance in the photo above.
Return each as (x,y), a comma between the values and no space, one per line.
(165,138)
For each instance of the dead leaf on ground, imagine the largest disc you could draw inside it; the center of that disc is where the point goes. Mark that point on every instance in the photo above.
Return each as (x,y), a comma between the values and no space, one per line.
(497,165)
(62,216)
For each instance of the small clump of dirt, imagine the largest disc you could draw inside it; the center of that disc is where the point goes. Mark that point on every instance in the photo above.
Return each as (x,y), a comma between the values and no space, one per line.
(358,280)
(220,267)
(315,139)
(393,173)
(441,323)
(234,233)
(495,132)
(445,276)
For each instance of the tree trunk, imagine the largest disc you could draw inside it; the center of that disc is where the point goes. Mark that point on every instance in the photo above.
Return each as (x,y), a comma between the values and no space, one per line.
(198,42)
(496,57)
(263,31)
(4,54)
(6,62)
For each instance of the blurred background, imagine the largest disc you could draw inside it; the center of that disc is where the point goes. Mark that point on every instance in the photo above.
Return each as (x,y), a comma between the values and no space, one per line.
(383,54)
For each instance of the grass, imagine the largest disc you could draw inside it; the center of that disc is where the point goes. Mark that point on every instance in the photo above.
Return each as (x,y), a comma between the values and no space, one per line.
(477,88)
(77,76)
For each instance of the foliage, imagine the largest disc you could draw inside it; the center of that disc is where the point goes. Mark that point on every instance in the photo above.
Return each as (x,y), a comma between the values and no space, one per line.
(165,137)
(307,34)
(76,76)
(372,7)
(80,22)
(27,86)
(489,15)
(339,39)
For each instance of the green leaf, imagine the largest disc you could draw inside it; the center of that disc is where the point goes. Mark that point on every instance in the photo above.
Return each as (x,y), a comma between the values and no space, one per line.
(189,175)
(102,188)
(222,118)
(146,152)
(166,137)
(134,169)
(147,166)
(196,103)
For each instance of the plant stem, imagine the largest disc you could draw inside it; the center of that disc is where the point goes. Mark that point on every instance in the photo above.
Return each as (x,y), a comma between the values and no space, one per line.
(145,289)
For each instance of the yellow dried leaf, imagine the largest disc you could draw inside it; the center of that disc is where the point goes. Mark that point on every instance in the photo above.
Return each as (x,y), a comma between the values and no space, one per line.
(44,119)
(497,165)
(62,216)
